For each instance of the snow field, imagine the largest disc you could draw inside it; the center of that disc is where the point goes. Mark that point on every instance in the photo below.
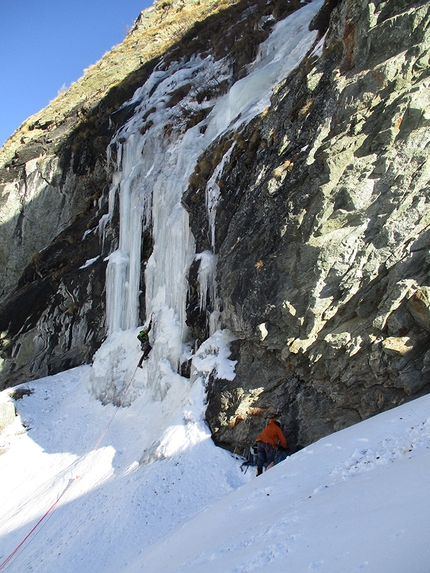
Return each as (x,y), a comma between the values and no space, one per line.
(357,500)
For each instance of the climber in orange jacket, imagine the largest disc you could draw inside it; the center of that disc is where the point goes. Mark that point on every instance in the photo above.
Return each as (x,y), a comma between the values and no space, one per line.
(267,443)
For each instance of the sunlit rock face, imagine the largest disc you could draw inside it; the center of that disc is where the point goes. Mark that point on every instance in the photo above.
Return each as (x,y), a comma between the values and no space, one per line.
(298,178)
(323,263)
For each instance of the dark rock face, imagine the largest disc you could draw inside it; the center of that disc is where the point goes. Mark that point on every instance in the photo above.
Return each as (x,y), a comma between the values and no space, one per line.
(321,258)
(321,232)
(54,319)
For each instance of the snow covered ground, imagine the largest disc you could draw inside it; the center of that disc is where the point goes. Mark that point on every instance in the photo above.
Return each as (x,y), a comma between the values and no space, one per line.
(143,488)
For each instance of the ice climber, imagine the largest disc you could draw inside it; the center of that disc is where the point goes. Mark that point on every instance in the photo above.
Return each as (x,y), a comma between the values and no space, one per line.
(268,442)
(143,337)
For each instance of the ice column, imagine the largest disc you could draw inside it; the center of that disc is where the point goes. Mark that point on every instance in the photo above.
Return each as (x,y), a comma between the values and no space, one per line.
(123,272)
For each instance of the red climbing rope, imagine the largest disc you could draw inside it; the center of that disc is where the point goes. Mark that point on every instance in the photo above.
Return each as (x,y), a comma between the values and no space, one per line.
(20,547)
(44,516)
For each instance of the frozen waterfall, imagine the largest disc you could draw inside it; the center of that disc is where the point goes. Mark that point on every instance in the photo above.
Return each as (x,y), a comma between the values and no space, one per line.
(155,156)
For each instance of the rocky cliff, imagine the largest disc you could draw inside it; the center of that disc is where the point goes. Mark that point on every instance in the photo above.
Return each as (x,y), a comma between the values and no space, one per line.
(321,226)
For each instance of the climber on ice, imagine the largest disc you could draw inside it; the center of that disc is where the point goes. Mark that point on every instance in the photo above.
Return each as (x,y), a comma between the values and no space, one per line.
(143,337)
(268,442)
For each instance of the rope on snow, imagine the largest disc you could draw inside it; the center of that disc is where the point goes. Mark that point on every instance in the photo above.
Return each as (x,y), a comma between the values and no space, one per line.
(20,547)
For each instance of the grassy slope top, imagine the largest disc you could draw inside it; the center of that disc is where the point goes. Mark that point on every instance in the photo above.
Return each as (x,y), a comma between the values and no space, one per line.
(155,31)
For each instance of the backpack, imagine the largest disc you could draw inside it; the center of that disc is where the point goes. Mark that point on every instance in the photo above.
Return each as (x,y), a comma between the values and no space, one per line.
(143,336)
(281,455)
(251,458)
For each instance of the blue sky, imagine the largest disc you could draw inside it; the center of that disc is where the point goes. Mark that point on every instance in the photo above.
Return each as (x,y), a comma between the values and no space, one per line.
(47,44)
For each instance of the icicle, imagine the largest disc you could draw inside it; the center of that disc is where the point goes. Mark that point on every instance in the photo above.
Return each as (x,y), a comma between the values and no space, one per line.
(116,281)
(206,277)
(213,194)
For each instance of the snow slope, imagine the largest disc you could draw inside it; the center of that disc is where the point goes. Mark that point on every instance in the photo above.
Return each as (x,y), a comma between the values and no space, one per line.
(120,500)
(356,500)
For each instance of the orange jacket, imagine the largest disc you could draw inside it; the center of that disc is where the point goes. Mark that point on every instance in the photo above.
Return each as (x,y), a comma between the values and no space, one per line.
(272,434)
